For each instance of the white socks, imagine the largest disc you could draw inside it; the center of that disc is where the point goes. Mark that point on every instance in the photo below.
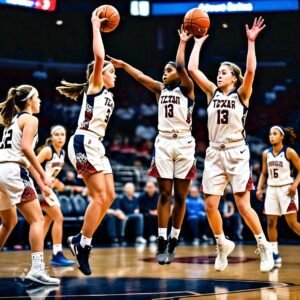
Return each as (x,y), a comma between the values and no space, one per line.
(275,247)
(37,260)
(57,248)
(162,232)
(175,233)
(220,238)
(261,239)
(85,241)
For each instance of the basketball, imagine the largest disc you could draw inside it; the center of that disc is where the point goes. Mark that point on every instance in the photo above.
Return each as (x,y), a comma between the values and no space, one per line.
(196,22)
(113,16)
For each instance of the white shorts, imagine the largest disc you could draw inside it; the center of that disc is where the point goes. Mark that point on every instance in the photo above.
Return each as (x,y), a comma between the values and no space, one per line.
(277,202)
(87,154)
(15,185)
(174,158)
(228,165)
(51,200)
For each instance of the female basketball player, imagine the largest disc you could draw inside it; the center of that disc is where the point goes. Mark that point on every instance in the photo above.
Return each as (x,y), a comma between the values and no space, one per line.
(281,196)
(86,151)
(16,187)
(53,156)
(173,161)
(227,157)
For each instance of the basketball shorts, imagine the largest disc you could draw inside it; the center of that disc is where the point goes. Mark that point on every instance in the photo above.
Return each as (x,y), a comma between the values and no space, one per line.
(228,165)
(51,200)
(87,154)
(15,185)
(173,157)
(278,203)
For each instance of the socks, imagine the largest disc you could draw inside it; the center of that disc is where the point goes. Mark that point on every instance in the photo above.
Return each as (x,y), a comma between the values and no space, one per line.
(175,233)
(275,247)
(260,239)
(162,232)
(220,238)
(85,241)
(57,248)
(37,259)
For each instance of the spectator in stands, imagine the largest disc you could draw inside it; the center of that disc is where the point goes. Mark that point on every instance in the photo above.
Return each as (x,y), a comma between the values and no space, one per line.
(129,206)
(145,130)
(196,218)
(231,218)
(73,185)
(148,207)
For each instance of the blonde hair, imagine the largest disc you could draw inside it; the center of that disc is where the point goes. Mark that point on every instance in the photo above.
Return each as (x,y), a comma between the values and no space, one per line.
(74,90)
(16,99)
(235,70)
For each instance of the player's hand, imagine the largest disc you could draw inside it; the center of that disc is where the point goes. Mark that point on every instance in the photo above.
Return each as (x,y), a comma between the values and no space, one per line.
(47,181)
(259,194)
(118,63)
(257,27)
(291,191)
(183,34)
(46,191)
(201,40)
(96,21)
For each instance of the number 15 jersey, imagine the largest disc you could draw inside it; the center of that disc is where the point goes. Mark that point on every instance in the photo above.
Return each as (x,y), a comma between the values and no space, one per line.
(226,118)
(174,111)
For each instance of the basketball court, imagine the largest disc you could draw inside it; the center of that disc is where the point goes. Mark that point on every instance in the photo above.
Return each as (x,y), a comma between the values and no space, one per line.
(132,273)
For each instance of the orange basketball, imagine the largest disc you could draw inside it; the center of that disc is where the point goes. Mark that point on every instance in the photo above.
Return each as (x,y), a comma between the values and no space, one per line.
(196,22)
(113,16)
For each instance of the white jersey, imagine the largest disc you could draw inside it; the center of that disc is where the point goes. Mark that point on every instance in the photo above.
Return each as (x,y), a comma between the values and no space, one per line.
(279,168)
(54,165)
(95,112)
(10,146)
(174,111)
(226,118)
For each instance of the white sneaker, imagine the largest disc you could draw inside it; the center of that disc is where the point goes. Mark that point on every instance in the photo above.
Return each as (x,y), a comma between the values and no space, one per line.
(140,240)
(41,276)
(223,251)
(266,257)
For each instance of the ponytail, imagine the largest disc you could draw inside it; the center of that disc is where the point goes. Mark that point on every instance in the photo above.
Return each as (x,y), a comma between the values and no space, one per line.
(16,100)
(71,90)
(290,136)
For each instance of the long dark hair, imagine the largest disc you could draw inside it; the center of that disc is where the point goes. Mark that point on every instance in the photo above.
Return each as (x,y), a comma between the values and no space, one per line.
(74,90)
(16,100)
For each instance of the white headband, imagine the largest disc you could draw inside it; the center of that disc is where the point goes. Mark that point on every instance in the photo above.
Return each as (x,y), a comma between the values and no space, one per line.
(31,93)
(278,128)
(57,127)
(109,65)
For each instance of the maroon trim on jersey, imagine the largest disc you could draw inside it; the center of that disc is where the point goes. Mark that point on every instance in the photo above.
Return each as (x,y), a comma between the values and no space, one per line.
(153,170)
(29,194)
(250,185)
(192,172)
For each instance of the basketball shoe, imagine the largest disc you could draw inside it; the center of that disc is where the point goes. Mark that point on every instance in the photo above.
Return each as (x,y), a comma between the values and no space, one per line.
(161,255)
(59,260)
(172,243)
(82,254)
(223,250)
(266,257)
(40,276)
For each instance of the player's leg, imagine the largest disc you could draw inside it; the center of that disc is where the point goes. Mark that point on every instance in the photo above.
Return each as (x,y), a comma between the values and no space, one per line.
(54,214)
(31,210)
(9,219)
